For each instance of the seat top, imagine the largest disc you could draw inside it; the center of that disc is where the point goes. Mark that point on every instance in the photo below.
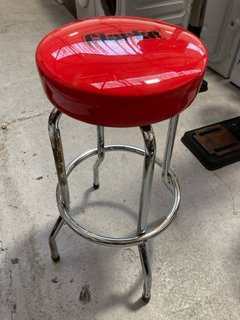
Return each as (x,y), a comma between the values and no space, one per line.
(121,71)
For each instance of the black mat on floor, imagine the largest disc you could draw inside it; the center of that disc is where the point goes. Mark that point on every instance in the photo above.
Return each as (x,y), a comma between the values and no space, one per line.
(216,145)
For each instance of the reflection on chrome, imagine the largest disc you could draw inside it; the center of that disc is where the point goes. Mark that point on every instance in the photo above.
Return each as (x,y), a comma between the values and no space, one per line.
(153,79)
(120,47)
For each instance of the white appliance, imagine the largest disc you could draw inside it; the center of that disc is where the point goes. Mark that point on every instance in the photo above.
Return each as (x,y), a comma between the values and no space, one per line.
(235,75)
(173,11)
(221,34)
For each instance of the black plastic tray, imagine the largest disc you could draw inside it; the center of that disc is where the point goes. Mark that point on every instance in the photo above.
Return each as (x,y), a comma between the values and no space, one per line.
(216,145)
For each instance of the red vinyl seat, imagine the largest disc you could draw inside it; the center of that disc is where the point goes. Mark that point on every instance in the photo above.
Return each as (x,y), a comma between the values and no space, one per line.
(121,71)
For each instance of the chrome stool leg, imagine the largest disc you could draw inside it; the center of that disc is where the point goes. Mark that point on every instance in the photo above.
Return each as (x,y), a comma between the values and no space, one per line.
(143,233)
(101,154)
(172,128)
(149,161)
(55,138)
(52,242)
(147,274)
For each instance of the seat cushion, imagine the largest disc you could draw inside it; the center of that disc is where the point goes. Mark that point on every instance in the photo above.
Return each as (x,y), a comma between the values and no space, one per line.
(121,71)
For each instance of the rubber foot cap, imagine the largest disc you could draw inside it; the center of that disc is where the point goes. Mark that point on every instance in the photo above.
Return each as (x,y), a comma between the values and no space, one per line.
(95,186)
(56,259)
(146,300)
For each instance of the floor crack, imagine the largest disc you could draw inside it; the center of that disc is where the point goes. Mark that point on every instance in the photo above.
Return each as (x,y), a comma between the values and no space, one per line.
(235,212)
(4,125)
(11,304)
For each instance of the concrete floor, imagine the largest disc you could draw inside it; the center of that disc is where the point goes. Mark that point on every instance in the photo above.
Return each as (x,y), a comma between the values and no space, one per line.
(195,262)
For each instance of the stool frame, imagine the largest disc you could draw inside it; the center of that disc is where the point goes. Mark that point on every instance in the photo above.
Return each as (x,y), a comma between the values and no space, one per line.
(63,198)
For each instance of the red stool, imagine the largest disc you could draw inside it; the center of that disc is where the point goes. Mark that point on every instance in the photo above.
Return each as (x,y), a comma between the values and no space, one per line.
(119,72)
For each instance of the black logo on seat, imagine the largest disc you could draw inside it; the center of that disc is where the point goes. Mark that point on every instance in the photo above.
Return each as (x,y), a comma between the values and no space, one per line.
(120,36)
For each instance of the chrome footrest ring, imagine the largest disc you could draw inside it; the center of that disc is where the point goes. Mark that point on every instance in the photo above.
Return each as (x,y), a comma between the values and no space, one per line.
(109,241)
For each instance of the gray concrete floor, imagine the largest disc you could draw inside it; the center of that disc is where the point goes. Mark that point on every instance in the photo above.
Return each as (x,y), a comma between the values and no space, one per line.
(195,262)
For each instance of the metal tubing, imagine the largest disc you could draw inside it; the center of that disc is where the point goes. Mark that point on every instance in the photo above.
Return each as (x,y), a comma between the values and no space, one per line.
(56,142)
(147,274)
(109,241)
(55,138)
(101,154)
(63,199)
(150,154)
(52,242)
(172,128)
(148,168)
